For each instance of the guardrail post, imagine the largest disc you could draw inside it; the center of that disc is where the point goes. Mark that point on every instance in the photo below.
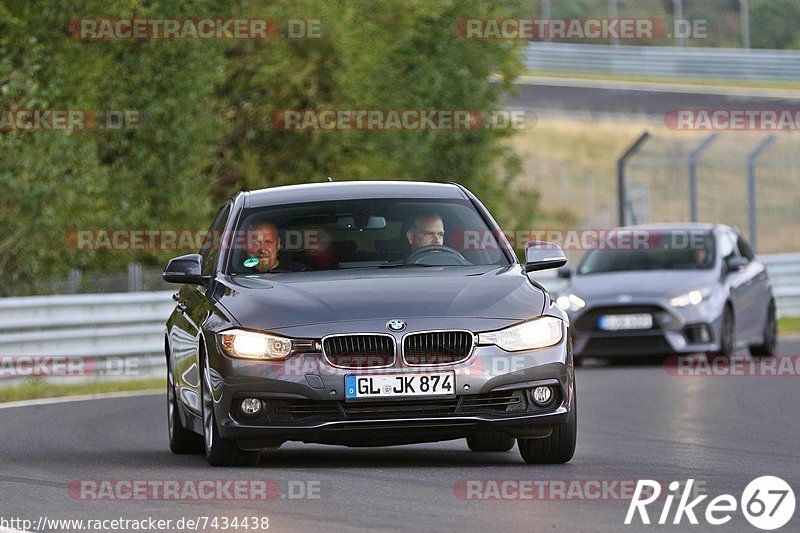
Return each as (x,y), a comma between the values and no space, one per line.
(134,277)
(622,192)
(751,189)
(694,157)
(74,280)
(546,16)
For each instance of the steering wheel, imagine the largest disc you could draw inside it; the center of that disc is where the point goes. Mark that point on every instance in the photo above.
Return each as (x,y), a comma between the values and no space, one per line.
(437,252)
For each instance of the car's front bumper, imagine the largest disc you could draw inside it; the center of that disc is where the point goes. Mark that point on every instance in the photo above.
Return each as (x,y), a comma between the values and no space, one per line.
(694,329)
(303,399)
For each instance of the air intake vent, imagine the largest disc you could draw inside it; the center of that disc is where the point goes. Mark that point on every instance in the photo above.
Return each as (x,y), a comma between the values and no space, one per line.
(437,347)
(359,351)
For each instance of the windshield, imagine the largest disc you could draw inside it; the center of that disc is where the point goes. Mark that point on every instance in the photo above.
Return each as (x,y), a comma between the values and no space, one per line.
(667,250)
(372,233)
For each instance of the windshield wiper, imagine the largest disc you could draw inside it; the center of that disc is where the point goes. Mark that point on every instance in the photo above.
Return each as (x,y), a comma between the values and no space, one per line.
(408,265)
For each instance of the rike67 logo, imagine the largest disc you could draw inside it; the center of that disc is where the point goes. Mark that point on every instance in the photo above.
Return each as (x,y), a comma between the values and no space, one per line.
(767,503)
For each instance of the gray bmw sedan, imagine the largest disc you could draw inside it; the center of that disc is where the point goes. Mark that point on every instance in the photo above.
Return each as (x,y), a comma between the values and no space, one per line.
(361,314)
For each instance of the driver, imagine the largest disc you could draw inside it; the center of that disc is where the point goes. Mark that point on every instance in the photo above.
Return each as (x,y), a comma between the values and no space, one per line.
(699,255)
(427,229)
(262,246)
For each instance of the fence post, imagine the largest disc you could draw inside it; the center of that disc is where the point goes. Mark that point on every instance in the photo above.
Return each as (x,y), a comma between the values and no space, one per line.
(622,192)
(694,157)
(134,277)
(74,280)
(751,189)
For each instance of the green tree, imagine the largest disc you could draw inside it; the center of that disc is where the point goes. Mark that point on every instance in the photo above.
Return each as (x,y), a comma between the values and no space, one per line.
(773,24)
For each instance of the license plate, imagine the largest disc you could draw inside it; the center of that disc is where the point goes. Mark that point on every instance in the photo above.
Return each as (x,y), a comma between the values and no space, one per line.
(632,321)
(400,385)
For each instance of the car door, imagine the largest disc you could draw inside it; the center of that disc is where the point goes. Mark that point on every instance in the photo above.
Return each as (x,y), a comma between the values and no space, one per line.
(192,310)
(755,292)
(734,280)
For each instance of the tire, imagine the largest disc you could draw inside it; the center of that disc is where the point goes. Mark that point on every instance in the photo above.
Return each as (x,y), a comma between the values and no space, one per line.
(559,447)
(727,344)
(490,441)
(770,346)
(181,440)
(220,451)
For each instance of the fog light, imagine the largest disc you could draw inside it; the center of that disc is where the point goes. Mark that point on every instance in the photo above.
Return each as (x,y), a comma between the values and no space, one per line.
(251,406)
(542,395)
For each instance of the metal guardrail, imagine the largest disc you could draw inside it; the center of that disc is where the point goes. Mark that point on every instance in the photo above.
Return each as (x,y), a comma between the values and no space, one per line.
(90,327)
(131,325)
(671,62)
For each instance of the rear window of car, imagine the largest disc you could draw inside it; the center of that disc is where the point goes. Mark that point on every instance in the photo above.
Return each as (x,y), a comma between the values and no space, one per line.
(658,250)
(371,233)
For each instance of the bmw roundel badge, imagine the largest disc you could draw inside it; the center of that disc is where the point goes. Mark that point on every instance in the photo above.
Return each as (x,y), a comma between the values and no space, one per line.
(395,325)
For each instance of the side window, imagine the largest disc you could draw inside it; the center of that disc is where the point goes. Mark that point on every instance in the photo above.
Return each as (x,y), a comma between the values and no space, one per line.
(744,249)
(211,244)
(727,246)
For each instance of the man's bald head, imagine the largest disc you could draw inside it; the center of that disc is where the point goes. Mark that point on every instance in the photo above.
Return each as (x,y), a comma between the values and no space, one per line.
(427,229)
(263,244)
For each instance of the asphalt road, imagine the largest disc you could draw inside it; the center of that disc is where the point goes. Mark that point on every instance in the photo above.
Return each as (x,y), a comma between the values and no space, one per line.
(562,96)
(635,422)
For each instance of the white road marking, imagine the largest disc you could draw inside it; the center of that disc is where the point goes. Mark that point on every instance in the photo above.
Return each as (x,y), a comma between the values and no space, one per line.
(66,399)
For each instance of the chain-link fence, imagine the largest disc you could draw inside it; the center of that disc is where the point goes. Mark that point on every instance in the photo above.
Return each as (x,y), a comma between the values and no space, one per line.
(747,180)
(658,185)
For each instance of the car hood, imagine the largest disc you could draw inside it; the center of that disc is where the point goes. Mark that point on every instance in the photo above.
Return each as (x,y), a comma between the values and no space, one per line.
(285,300)
(645,284)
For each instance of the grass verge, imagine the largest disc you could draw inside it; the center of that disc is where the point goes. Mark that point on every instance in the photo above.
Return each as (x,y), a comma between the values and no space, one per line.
(789,324)
(36,388)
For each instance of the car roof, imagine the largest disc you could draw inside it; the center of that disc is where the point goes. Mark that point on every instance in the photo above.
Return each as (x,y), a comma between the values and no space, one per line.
(352,190)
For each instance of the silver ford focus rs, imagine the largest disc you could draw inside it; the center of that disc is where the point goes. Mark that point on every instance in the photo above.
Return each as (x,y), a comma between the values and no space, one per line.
(671,289)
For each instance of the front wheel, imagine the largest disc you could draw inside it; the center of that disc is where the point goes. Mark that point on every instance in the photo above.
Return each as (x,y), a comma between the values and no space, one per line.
(727,343)
(181,440)
(559,447)
(770,346)
(219,451)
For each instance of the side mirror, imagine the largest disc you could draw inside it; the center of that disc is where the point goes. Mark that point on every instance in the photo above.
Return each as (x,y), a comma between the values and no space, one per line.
(185,269)
(564,272)
(736,263)
(541,255)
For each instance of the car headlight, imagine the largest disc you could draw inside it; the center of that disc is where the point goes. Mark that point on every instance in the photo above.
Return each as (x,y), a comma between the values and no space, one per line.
(692,297)
(254,345)
(570,302)
(538,333)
